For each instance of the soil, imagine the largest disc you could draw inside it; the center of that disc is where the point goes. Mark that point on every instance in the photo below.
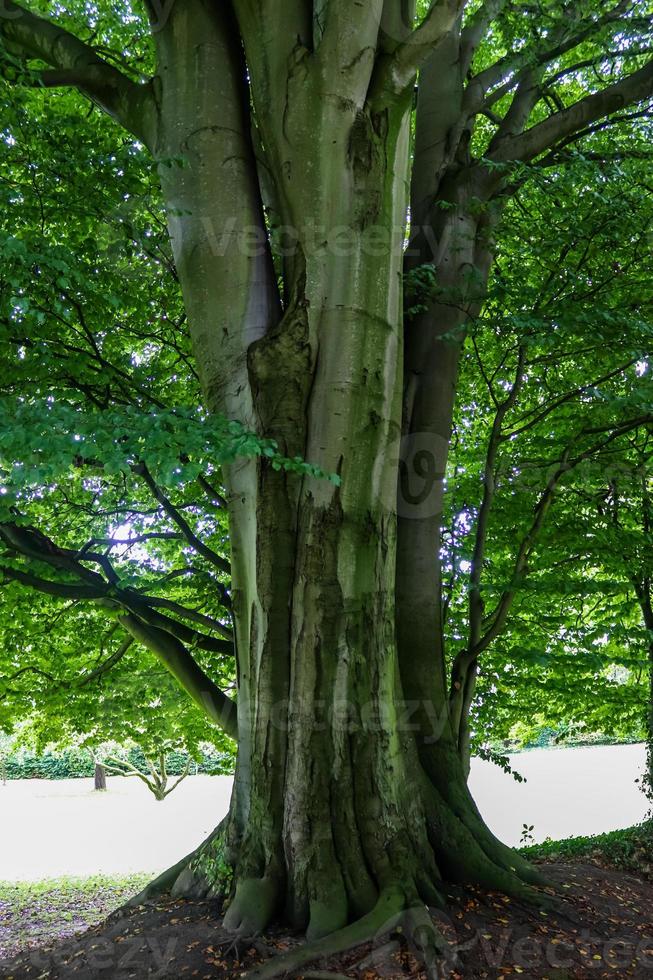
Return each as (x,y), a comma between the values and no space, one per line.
(606,930)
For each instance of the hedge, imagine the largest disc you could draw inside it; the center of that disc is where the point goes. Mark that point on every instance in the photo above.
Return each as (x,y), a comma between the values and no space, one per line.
(78,763)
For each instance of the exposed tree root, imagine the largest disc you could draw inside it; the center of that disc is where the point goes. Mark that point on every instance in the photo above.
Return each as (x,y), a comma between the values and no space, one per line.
(386,912)
(252,906)
(159,886)
(165,883)
(368,961)
(389,913)
(322,975)
(425,941)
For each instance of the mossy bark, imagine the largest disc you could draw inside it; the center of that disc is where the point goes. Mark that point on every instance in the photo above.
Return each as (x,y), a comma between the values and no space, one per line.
(345,791)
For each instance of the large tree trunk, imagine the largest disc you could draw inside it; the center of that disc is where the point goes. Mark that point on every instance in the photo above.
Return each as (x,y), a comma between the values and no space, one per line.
(648,779)
(342,794)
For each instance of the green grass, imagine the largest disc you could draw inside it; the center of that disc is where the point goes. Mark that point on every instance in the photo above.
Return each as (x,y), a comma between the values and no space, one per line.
(629,850)
(39,912)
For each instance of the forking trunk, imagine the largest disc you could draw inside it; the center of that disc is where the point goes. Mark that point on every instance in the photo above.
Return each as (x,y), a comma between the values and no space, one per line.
(343,794)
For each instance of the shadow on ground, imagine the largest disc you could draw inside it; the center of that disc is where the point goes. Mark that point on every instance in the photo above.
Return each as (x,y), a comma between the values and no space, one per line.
(610,934)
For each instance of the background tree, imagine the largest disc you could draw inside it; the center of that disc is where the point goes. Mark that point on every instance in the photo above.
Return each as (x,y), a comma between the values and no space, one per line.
(573,650)
(296,117)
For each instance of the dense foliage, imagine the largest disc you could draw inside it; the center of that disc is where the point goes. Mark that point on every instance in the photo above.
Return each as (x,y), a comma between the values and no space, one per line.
(575,305)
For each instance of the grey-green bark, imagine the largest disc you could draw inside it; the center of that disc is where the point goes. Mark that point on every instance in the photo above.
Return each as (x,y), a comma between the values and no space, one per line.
(350,782)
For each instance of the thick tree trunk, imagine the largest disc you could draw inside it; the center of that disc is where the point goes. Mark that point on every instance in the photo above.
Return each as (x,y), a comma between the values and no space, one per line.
(348,785)
(336,801)
(644,596)
(649,727)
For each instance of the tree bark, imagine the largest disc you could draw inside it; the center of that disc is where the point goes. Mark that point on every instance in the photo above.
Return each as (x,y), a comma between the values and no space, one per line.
(341,791)
(350,784)
(100,778)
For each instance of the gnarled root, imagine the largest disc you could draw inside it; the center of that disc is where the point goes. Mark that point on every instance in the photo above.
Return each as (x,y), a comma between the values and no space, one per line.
(160,886)
(252,907)
(390,913)
(180,879)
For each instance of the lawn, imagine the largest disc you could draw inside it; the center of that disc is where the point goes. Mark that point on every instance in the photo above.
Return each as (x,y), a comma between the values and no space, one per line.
(606,879)
(36,913)
(40,913)
(628,850)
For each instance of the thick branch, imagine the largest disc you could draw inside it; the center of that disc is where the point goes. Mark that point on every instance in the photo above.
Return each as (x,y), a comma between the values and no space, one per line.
(174,655)
(516,118)
(476,29)
(61,590)
(78,64)
(140,606)
(192,614)
(634,88)
(557,156)
(31,543)
(347,36)
(401,67)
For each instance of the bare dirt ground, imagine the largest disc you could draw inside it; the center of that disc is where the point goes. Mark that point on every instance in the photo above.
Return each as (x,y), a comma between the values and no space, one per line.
(608,934)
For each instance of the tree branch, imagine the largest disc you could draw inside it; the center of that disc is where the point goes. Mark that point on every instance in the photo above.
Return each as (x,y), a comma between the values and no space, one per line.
(474,32)
(78,64)
(59,589)
(141,607)
(31,543)
(30,670)
(136,539)
(557,155)
(400,68)
(489,486)
(516,118)
(214,495)
(192,614)
(513,66)
(176,658)
(542,412)
(181,778)
(566,463)
(108,663)
(175,515)
(545,135)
